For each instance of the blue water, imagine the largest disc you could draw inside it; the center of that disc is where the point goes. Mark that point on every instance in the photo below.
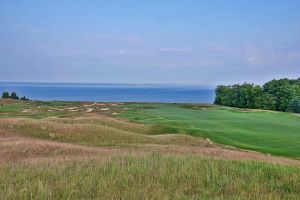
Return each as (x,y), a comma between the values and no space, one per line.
(111,92)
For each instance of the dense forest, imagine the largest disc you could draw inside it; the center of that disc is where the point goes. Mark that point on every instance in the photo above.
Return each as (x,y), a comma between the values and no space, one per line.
(278,95)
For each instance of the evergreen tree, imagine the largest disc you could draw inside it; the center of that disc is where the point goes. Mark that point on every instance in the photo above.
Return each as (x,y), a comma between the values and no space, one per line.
(14,95)
(5,95)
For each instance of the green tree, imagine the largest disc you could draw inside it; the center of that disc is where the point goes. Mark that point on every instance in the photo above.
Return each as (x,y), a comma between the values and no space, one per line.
(248,94)
(294,105)
(5,95)
(274,95)
(265,101)
(14,95)
(282,91)
(222,95)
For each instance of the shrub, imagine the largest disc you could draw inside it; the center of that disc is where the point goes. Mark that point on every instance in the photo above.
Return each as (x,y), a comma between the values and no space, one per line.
(24,98)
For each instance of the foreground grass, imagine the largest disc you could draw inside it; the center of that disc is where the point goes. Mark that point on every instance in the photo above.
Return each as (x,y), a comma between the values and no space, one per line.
(268,132)
(151,177)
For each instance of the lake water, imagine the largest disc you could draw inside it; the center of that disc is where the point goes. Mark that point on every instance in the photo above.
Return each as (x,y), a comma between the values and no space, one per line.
(111,92)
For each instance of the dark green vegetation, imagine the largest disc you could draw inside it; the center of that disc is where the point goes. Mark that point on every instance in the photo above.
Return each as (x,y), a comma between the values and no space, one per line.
(13,95)
(294,105)
(265,131)
(151,177)
(278,95)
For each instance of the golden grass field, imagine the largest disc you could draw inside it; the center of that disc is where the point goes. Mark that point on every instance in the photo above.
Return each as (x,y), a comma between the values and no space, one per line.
(61,150)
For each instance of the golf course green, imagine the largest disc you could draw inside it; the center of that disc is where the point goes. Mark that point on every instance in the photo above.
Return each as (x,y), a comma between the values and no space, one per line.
(265,131)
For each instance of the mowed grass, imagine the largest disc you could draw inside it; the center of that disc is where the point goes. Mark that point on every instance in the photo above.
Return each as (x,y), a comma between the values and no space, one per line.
(264,131)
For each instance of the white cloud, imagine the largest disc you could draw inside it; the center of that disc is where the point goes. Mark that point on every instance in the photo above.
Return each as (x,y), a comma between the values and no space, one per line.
(38,30)
(217,46)
(171,50)
(252,60)
(116,37)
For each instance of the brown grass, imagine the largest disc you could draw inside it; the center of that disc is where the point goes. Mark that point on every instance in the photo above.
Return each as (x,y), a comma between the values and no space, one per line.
(14,148)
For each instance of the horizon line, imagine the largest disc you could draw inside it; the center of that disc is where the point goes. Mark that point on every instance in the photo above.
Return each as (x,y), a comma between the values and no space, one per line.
(106,83)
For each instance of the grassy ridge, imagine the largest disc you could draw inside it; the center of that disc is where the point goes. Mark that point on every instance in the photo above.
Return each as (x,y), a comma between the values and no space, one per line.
(151,177)
(269,132)
(94,132)
(264,131)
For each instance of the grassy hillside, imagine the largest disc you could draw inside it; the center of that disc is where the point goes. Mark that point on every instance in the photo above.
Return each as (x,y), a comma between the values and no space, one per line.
(85,150)
(265,131)
(151,177)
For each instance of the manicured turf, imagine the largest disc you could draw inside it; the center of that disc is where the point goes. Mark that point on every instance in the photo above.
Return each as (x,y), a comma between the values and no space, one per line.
(269,132)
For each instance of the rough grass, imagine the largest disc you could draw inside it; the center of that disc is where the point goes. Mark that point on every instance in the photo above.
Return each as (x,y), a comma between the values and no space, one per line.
(264,131)
(94,131)
(151,177)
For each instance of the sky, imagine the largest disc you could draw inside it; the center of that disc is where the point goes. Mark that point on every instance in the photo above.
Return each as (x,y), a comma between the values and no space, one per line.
(201,42)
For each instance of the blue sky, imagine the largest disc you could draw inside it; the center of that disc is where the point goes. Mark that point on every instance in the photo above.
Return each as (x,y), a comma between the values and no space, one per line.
(159,41)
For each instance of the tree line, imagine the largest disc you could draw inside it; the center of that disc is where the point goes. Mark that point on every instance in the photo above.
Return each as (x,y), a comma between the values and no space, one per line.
(13,95)
(278,95)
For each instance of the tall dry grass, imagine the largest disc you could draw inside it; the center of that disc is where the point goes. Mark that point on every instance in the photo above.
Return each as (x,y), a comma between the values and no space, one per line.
(151,177)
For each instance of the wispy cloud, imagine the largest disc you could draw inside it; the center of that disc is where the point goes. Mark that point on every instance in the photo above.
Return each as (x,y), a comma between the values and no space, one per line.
(116,37)
(217,46)
(37,30)
(174,50)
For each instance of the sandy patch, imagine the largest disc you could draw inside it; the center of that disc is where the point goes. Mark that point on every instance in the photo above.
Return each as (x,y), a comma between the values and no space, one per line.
(89,110)
(26,110)
(296,114)
(72,108)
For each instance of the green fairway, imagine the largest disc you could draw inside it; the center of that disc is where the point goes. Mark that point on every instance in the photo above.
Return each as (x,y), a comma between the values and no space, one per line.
(268,132)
